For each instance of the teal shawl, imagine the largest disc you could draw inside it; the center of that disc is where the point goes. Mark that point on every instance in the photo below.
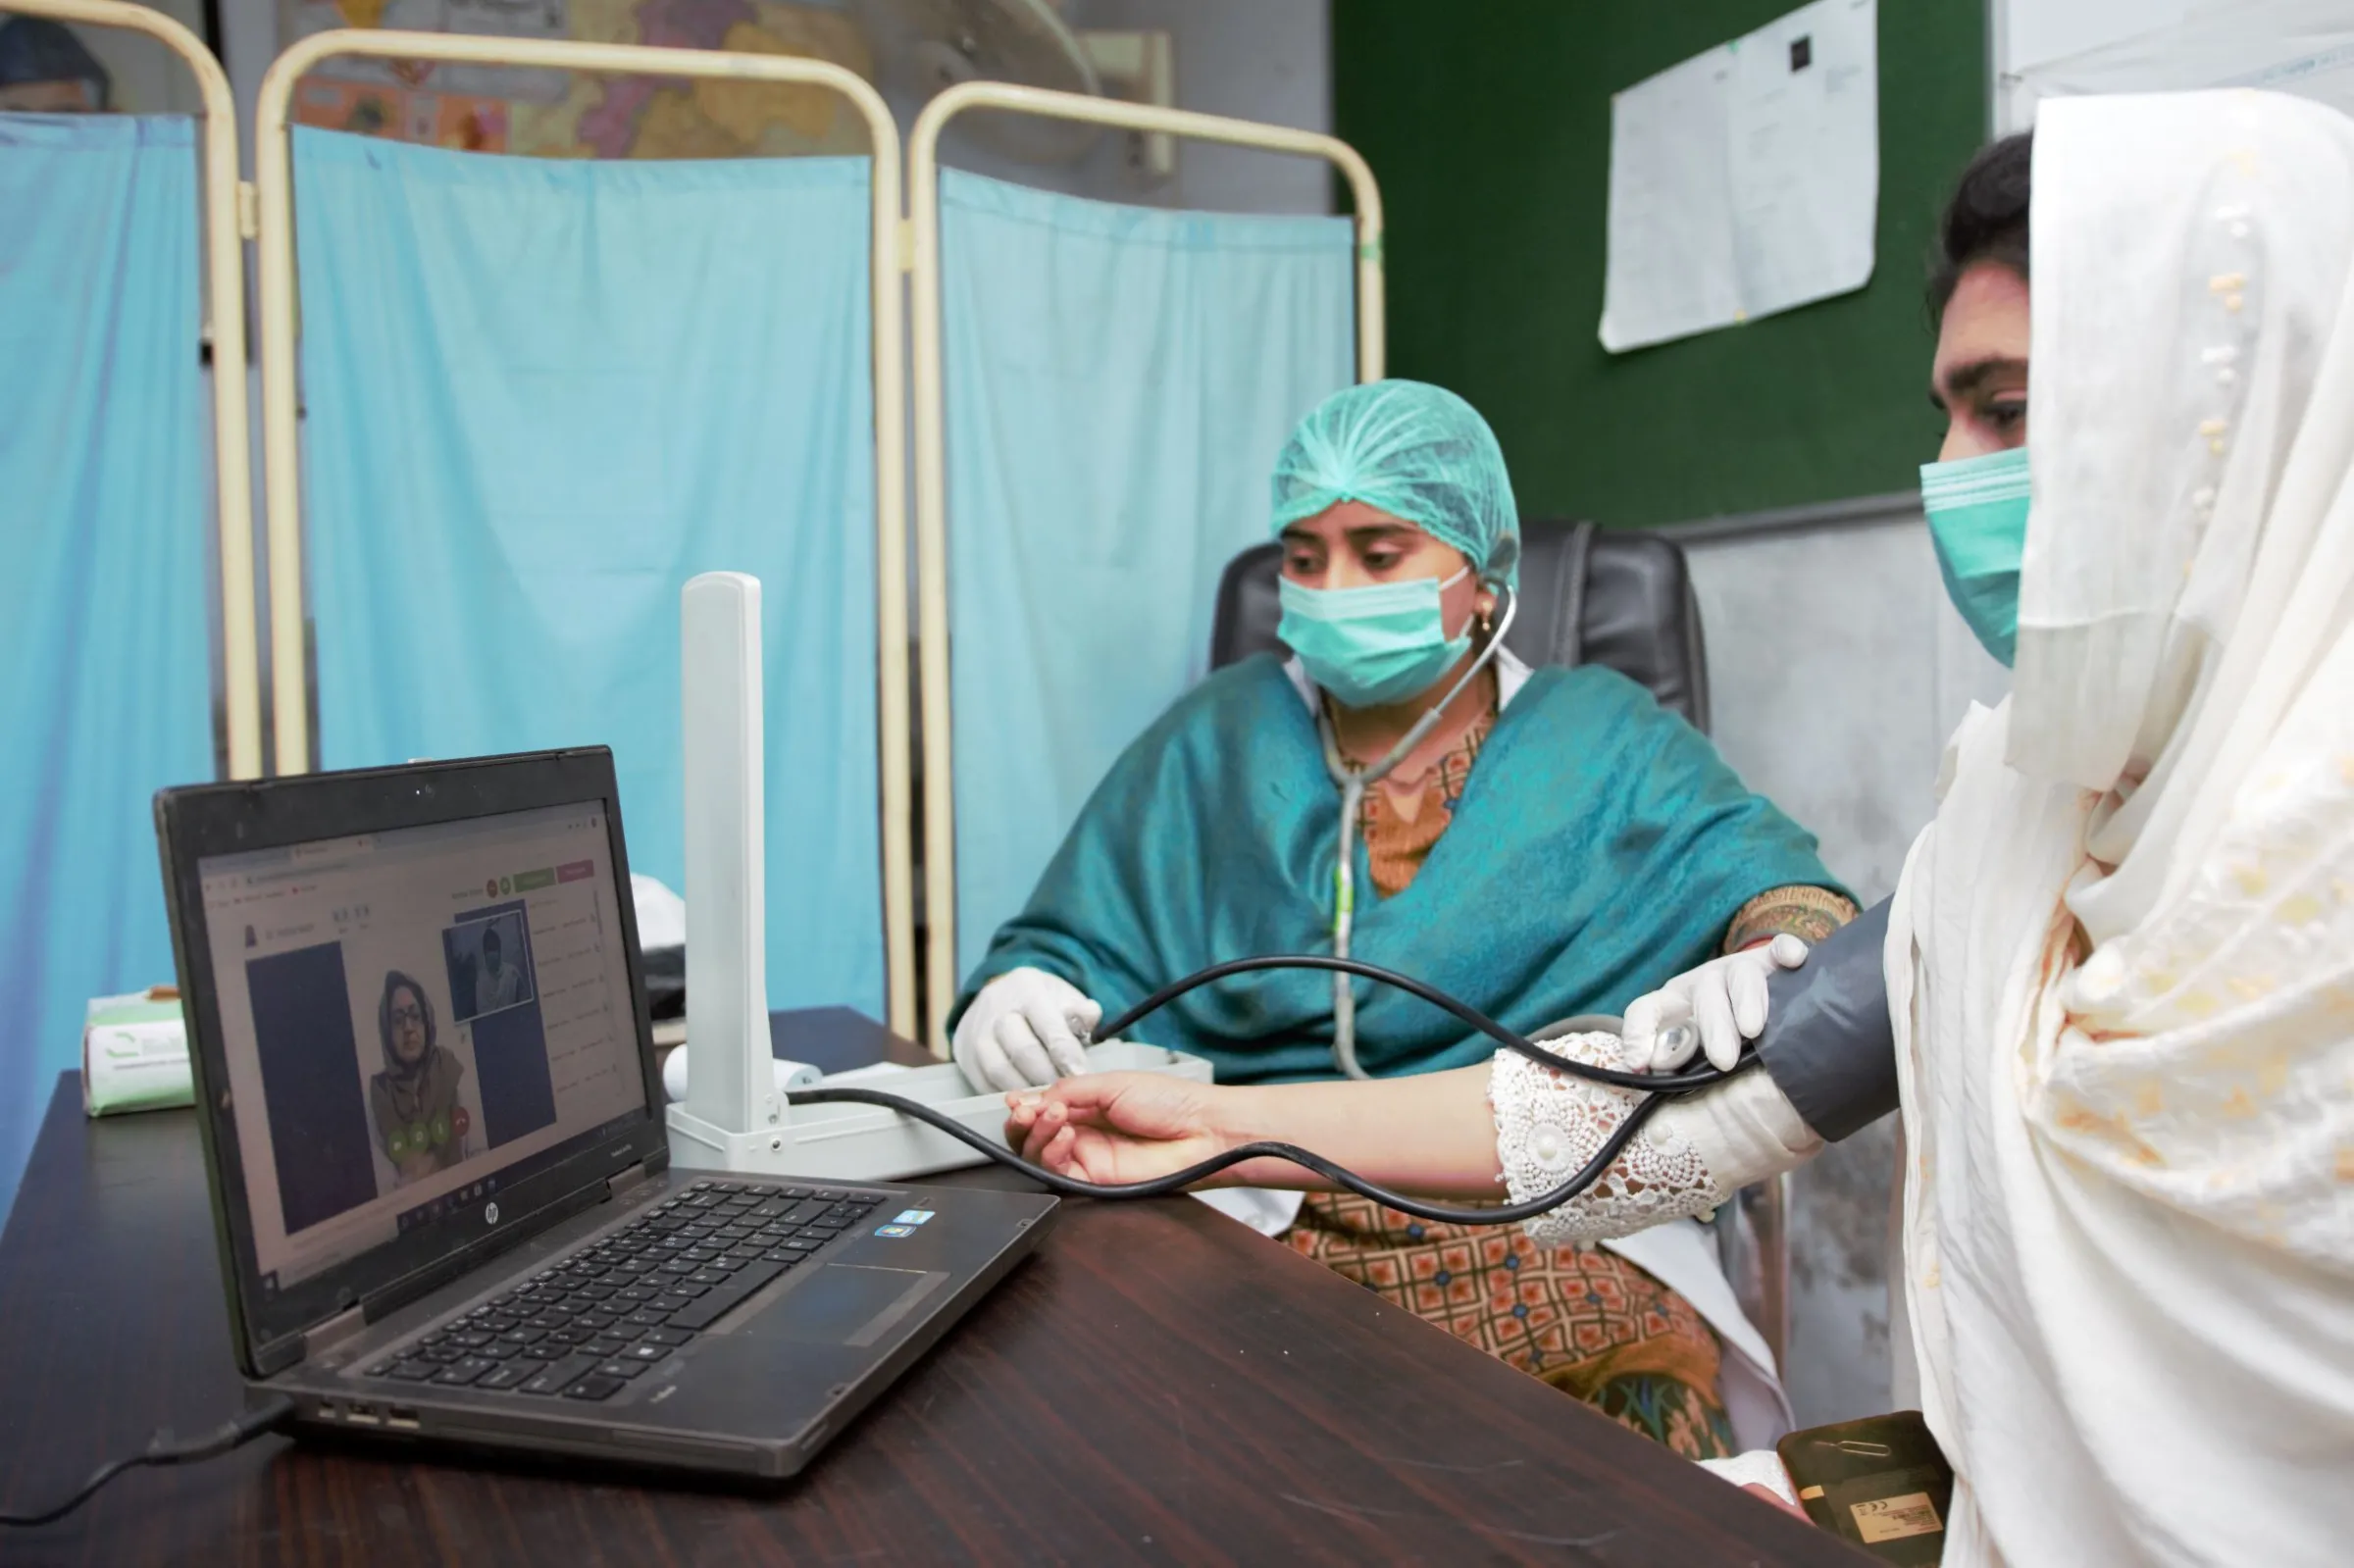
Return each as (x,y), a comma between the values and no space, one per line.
(1601,847)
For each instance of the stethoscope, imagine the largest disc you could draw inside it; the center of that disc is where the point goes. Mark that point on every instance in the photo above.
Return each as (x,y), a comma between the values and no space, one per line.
(1353,781)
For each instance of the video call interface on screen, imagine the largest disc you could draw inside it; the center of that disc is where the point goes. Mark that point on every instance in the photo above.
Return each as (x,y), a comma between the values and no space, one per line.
(421,1016)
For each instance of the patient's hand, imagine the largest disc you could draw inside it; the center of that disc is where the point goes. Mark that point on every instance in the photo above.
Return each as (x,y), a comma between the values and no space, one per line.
(1769,1494)
(1116,1128)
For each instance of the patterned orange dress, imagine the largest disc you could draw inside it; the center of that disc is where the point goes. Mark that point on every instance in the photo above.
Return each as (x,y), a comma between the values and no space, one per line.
(1582,1318)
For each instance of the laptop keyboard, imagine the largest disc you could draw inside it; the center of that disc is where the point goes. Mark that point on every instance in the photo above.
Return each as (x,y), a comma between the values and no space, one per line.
(585,1327)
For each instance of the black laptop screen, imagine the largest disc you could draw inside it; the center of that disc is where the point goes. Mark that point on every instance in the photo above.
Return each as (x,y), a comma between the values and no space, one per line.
(420,1017)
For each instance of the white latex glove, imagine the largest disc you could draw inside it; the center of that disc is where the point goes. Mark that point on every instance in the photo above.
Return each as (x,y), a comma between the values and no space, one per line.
(1715,1008)
(1023,1030)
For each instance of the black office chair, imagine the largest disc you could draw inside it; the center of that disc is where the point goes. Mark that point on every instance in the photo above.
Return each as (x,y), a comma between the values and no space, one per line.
(1587,596)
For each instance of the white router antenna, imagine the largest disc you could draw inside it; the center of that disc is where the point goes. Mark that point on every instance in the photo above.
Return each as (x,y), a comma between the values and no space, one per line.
(734,1117)
(732,1090)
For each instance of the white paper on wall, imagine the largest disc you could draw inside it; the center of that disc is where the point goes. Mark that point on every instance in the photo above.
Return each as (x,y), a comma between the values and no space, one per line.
(1746,180)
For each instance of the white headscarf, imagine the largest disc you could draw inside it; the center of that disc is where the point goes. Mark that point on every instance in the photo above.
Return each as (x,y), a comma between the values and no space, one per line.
(2122,959)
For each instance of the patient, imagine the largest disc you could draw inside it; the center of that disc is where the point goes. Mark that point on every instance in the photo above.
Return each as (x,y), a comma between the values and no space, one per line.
(2120,966)
(414,1101)
(1551,843)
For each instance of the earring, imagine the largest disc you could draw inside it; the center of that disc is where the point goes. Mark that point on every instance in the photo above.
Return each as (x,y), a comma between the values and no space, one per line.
(1487,622)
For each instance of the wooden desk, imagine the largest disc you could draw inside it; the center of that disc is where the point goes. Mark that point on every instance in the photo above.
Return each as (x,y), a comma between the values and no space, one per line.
(1157,1385)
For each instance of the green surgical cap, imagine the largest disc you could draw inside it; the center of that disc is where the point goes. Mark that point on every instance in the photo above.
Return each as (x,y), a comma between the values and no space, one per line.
(1416,451)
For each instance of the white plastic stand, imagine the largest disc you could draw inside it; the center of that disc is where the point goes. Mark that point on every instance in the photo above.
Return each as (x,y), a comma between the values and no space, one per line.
(733,1112)
(733,1118)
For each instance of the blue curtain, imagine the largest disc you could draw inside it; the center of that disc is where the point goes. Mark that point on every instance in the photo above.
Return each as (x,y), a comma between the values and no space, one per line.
(543,395)
(1118,383)
(104,512)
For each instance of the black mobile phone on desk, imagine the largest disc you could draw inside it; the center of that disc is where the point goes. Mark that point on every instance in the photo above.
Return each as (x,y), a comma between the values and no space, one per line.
(1881,1483)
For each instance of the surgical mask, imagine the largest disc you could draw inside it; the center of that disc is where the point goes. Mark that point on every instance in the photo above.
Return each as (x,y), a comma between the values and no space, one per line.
(1977,510)
(1373,646)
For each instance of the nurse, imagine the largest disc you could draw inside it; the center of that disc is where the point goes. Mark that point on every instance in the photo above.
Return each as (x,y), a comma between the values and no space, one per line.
(1541,843)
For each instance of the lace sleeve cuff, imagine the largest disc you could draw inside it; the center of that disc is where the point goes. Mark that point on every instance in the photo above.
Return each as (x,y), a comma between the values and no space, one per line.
(1548,1125)
(1688,1159)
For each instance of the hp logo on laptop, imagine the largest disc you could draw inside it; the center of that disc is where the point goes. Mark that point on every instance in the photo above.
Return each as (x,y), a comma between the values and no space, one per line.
(491,1214)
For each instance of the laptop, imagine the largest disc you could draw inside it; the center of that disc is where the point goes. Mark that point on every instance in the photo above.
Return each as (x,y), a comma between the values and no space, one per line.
(432,1128)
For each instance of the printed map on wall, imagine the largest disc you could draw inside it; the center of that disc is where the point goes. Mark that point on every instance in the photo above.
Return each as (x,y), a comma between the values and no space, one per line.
(561,113)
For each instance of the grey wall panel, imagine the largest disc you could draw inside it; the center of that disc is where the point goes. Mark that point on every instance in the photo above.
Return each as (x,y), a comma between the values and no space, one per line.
(1823,681)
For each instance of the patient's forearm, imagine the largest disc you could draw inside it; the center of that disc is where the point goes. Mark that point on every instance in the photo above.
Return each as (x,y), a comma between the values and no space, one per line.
(1429,1133)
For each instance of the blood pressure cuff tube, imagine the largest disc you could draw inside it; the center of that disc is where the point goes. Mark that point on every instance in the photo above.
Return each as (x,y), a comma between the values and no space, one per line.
(1827,1044)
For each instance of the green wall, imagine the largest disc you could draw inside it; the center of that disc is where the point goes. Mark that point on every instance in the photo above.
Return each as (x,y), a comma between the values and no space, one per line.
(1488,124)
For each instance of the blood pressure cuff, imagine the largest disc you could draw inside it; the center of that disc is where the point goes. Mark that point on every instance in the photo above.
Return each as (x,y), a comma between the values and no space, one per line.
(1827,1044)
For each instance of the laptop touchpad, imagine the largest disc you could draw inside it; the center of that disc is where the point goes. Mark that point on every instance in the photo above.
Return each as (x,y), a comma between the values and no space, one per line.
(847,1304)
